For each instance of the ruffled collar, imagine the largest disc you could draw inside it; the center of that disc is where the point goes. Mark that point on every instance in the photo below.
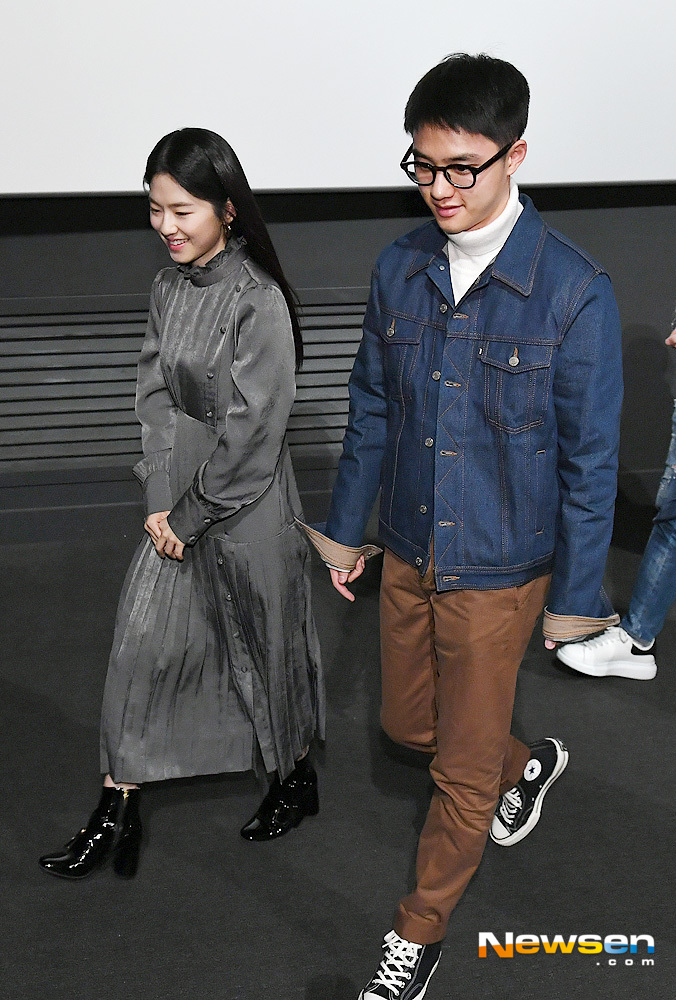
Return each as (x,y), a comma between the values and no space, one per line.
(218,267)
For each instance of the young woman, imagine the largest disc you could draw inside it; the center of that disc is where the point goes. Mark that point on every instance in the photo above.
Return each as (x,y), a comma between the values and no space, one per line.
(215,661)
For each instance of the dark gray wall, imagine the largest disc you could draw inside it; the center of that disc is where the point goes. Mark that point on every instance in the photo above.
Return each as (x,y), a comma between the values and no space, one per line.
(60,290)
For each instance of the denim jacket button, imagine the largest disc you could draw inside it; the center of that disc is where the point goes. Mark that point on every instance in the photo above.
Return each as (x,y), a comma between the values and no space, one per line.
(210,374)
(429,442)
(436,376)
(418,561)
(443,308)
(423,508)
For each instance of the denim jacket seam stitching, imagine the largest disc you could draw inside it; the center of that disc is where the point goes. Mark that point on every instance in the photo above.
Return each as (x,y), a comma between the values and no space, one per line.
(411,317)
(507,569)
(567,320)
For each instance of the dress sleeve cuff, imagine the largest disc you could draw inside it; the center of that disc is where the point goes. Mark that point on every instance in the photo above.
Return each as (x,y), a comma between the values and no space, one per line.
(157,492)
(336,556)
(568,628)
(153,474)
(156,462)
(190,518)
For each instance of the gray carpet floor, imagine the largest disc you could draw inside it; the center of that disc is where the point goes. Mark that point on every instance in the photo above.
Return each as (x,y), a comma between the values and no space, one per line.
(211,917)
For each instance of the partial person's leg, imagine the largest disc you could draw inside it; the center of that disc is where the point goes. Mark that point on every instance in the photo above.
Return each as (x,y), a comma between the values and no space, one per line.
(655,587)
(626,650)
(480,639)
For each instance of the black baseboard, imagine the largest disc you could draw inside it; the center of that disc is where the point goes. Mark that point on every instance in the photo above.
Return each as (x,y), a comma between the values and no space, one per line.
(27,215)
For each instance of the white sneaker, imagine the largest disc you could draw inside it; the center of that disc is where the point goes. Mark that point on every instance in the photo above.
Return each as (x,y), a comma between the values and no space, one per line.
(613,653)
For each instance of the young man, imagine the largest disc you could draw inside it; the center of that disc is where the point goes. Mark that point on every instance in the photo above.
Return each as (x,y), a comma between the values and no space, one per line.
(485,402)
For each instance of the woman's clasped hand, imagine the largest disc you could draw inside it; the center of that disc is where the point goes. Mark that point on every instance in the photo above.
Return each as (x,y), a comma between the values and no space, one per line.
(165,541)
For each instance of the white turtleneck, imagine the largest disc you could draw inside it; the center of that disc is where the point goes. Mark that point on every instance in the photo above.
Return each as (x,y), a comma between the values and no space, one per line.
(470,253)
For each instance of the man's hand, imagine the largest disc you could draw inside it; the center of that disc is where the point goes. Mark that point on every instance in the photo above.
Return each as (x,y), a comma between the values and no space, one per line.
(166,542)
(340,577)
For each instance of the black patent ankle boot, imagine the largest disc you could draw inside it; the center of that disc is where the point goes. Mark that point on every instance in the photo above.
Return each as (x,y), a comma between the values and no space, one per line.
(113,832)
(285,805)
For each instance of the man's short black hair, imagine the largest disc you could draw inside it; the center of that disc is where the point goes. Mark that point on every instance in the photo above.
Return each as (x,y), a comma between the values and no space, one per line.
(476,94)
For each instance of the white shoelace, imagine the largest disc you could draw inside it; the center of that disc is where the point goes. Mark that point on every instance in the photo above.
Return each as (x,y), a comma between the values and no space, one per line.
(611,634)
(400,957)
(512,801)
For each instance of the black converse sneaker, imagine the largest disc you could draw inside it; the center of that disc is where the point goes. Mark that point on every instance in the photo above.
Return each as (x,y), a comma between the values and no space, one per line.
(519,809)
(405,970)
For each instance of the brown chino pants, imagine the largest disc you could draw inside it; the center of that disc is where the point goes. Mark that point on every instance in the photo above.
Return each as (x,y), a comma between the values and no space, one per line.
(449,666)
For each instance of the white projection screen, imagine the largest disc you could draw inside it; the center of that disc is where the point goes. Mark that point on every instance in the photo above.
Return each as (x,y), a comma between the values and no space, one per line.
(311,93)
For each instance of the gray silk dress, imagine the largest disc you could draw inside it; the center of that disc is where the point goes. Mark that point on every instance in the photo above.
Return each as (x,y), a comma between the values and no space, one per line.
(215,661)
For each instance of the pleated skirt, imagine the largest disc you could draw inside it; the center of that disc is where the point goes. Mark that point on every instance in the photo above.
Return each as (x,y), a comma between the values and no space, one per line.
(215,662)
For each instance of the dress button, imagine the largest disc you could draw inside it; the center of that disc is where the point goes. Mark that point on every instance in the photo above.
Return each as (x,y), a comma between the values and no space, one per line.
(210,374)
(238,288)
(210,413)
(220,560)
(423,508)
(443,308)
(228,597)
(418,561)
(429,442)
(193,538)
(208,520)
(436,376)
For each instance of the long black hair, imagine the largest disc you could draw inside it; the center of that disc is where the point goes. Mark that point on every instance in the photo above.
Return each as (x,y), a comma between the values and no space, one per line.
(206,166)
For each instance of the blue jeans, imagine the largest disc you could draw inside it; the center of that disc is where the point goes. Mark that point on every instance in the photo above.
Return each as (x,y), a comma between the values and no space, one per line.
(655,587)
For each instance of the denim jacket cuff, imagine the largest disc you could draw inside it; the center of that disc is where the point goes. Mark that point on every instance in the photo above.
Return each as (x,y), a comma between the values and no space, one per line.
(336,556)
(569,628)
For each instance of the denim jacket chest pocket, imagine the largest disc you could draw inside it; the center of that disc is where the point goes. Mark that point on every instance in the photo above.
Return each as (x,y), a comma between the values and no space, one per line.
(517,379)
(401,339)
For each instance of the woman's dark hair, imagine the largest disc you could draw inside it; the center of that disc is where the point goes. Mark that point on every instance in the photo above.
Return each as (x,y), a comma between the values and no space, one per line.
(476,94)
(207,167)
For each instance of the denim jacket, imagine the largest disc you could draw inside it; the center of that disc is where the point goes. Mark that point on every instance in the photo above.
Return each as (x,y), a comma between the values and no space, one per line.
(490,425)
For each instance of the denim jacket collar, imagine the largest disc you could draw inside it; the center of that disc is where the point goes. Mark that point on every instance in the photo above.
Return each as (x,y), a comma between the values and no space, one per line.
(516,263)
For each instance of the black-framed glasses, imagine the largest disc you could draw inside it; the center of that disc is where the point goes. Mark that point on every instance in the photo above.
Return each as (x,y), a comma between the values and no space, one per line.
(458,175)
